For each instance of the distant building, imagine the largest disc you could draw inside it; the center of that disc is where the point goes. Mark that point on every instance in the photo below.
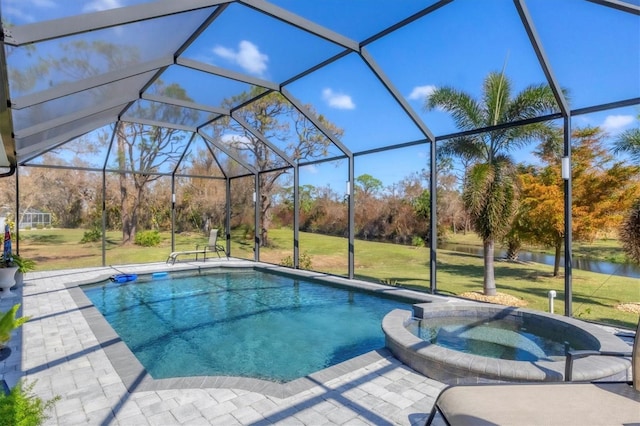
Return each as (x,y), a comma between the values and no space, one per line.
(34,219)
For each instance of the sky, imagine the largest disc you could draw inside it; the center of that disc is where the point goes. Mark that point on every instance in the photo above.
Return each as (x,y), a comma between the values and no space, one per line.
(594,52)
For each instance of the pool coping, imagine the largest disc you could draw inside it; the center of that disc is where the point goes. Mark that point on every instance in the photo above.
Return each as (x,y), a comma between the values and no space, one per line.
(136,378)
(454,367)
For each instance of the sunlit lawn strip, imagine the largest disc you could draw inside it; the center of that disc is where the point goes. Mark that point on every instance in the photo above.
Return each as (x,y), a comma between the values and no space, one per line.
(595,295)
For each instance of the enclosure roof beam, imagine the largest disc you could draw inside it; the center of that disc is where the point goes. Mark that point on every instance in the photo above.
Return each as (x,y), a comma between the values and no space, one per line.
(316,122)
(607,106)
(230,153)
(527,22)
(184,153)
(418,15)
(158,123)
(619,5)
(185,104)
(63,27)
(70,118)
(62,167)
(215,158)
(222,72)
(48,144)
(114,133)
(66,89)
(302,23)
(262,138)
(386,82)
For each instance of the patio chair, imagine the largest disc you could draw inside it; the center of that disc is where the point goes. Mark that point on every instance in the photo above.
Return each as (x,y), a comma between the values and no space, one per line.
(584,403)
(202,249)
(212,245)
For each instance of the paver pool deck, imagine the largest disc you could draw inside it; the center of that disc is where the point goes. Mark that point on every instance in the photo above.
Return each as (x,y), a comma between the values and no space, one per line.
(59,351)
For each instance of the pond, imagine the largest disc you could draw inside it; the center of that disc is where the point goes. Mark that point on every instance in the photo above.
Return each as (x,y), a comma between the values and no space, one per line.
(586,264)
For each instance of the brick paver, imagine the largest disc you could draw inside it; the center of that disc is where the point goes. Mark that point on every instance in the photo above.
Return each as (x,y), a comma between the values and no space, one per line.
(59,351)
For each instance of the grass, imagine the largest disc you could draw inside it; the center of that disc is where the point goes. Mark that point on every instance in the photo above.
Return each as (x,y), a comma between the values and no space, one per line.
(595,296)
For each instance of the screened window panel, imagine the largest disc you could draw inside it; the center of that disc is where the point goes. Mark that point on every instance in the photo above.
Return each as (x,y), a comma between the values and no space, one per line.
(77,102)
(54,62)
(142,148)
(166,113)
(199,160)
(358,19)
(64,133)
(595,67)
(19,12)
(344,100)
(207,89)
(261,47)
(87,151)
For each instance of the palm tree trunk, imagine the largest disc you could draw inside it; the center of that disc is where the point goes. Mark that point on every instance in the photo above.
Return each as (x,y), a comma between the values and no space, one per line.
(489,276)
(513,249)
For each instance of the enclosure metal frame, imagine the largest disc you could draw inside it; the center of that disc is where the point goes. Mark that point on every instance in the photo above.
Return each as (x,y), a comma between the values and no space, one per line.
(116,110)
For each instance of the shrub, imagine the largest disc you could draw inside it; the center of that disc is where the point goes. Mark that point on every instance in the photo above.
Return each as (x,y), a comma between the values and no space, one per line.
(22,407)
(92,236)
(390,281)
(147,238)
(287,261)
(304,261)
(417,241)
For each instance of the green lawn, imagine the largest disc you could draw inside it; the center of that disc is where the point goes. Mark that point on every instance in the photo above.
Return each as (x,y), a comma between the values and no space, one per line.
(595,296)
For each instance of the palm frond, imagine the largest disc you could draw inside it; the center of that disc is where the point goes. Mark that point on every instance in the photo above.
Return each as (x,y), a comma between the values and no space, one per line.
(628,142)
(496,97)
(466,147)
(465,111)
(533,101)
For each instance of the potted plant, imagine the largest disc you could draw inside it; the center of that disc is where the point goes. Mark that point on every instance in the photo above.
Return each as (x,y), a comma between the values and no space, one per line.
(7,267)
(8,271)
(24,265)
(8,323)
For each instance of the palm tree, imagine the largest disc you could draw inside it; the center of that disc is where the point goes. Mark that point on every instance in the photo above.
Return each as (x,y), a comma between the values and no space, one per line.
(489,188)
(629,142)
(630,233)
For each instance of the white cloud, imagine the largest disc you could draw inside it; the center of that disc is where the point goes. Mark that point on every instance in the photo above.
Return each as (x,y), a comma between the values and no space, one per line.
(616,123)
(232,139)
(310,169)
(337,100)
(248,56)
(421,92)
(22,10)
(29,3)
(98,5)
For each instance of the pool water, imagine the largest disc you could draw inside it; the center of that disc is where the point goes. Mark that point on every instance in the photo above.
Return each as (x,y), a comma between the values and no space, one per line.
(501,338)
(241,323)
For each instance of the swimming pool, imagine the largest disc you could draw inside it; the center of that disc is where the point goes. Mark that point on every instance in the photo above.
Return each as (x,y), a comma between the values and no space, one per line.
(247,323)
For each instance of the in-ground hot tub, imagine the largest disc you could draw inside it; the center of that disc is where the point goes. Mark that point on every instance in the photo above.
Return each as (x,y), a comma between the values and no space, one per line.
(423,348)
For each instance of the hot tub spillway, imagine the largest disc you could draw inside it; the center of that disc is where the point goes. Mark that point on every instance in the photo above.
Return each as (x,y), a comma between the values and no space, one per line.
(454,366)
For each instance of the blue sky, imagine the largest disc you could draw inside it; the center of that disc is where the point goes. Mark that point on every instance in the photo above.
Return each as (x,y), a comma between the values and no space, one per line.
(594,52)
